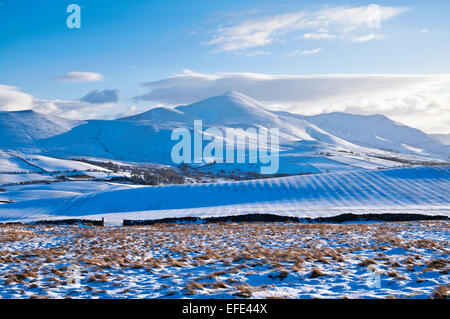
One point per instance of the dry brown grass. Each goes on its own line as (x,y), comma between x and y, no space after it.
(219,285)
(192,286)
(279,274)
(244,291)
(98,278)
(222,250)
(392,274)
(367,262)
(438,263)
(316,272)
(441,292)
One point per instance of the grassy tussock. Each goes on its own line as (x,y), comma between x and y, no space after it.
(210,256)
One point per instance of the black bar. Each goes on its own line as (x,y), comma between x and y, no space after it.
(229,308)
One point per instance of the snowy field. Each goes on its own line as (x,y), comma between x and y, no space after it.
(245,260)
(417,190)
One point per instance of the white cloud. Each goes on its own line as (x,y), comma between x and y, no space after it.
(318,36)
(13,99)
(257,53)
(405,98)
(424,31)
(73,109)
(189,86)
(78,76)
(368,37)
(305,52)
(347,23)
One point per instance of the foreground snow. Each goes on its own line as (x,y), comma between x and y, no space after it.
(248,260)
(419,190)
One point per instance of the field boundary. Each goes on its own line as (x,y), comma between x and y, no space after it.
(277,218)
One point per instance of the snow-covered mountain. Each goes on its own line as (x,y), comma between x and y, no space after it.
(326,142)
(236,109)
(24,128)
(124,140)
(378,131)
(230,109)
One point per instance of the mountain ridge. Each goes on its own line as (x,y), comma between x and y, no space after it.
(26,127)
(147,136)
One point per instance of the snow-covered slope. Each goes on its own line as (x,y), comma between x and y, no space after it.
(378,131)
(410,190)
(49,164)
(8,179)
(25,127)
(20,193)
(17,169)
(13,164)
(161,115)
(121,140)
(443,138)
(23,163)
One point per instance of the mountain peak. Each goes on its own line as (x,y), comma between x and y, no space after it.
(239,97)
(217,109)
(234,93)
(230,108)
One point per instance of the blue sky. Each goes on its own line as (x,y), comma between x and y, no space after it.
(127,43)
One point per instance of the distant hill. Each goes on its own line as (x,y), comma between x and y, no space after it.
(326,142)
(26,127)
